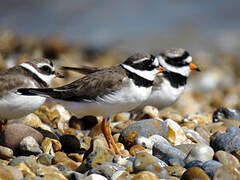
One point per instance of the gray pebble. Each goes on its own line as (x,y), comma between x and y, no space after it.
(210,167)
(30,144)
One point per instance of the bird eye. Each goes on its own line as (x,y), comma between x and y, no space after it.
(46,69)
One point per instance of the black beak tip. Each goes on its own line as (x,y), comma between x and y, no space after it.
(198,69)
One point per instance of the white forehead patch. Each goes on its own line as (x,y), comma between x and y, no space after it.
(188,60)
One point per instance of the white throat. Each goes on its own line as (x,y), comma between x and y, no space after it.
(185,70)
(46,78)
(149,75)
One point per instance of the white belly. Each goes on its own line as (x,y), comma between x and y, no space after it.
(163,96)
(15,106)
(125,99)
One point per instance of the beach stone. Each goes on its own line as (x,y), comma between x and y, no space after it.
(227,172)
(32,120)
(85,142)
(194,136)
(47,132)
(29,144)
(84,123)
(98,156)
(106,169)
(170,113)
(199,119)
(29,161)
(76,157)
(203,132)
(227,159)
(51,173)
(121,175)
(194,163)
(146,162)
(26,170)
(226,113)
(94,177)
(145,128)
(10,173)
(121,117)
(149,112)
(75,176)
(14,133)
(145,175)
(175,133)
(201,152)
(45,159)
(166,152)
(5,153)
(175,170)
(210,167)
(194,173)
(135,149)
(228,141)
(70,143)
(50,146)
(144,142)
(61,158)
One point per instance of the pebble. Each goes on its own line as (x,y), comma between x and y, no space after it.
(51,173)
(175,170)
(121,117)
(227,172)
(121,175)
(210,167)
(70,143)
(194,136)
(84,123)
(95,177)
(5,153)
(30,145)
(135,149)
(14,133)
(227,159)
(166,152)
(203,132)
(194,163)
(199,119)
(106,169)
(145,128)
(50,146)
(149,112)
(45,159)
(146,162)
(228,141)
(175,133)
(226,113)
(194,173)
(10,173)
(32,120)
(29,161)
(201,152)
(145,175)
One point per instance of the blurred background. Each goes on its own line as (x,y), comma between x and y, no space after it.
(105,32)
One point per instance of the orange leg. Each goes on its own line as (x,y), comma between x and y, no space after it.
(105,127)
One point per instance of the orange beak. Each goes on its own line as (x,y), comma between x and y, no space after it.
(194,67)
(160,69)
(59,75)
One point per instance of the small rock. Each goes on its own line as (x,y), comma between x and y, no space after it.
(227,159)
(70,143)
(29,161)
(26,170)
(50,146)
(76,157)
(200,119)
(201,152)
(75,176)
(121,117)
(14,133)
(106,169)
(166,152)
(145,175)
(29,144)
(121,175)
(5,153)
(204,133)
(98,156)
(135,149)
(45,159)
(226,113)
(149,112)
(62,159)
(94,177)
(194,163)
(148,142)
(194,173)
(146,162)
(84,123)
(228,141)
(51,173)
(175,170)
(32,120)
(10,173)
(210,167)
(226,172)
(194,136)
(175,133)
(145,128)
